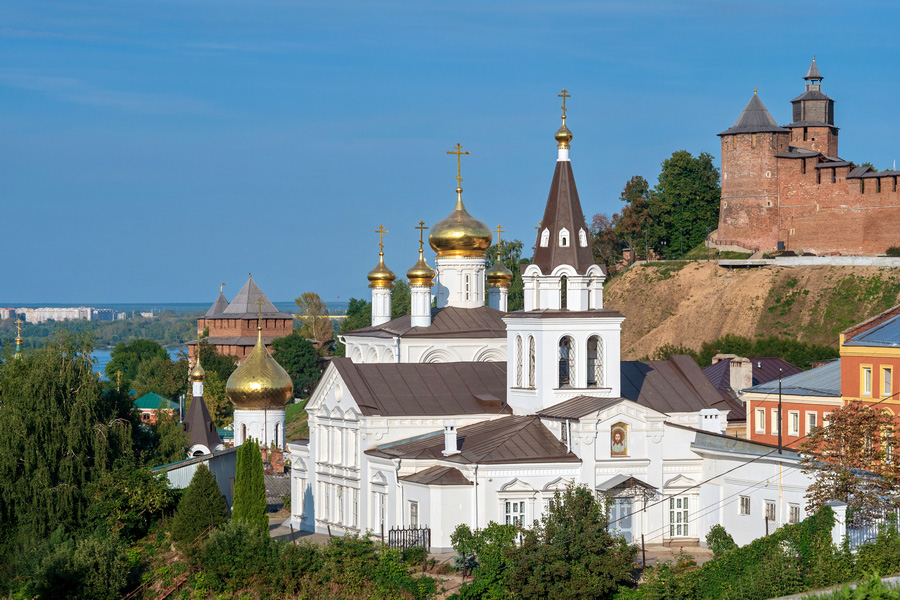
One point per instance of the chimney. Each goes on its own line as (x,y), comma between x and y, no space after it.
(710,419)
(721,357)
(741,375)
(450,445)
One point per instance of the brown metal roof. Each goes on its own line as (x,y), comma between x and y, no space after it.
(447,322)
(420,389)
(667,386)
(577,407)
(199,426)
(438,475)
(563,210)
(512,439)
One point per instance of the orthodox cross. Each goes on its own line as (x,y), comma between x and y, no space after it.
(221,287)
(458,151)
(259,305)
(381,231)
(755,90)
(564,95)
(498,231)
(421,227)
(18,327)
(539,225)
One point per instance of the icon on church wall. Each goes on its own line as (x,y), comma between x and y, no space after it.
(618,440)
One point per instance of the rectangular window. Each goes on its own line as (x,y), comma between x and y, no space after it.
(889,447)
(776,427)
(355,515)
(770,510)
(515,512)
(793,513)
(886,381)
(745,505)
(793,422)
(811,421)
(678,516)
(340,503)
(760,420)
(866,382)
(414,515)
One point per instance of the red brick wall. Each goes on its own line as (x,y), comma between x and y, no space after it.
(771,435)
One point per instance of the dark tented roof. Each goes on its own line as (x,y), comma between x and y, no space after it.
(244,305)
(512,439)
(438,475)
(199,426)
(813,72)
(884,334)
(563,210)
(763,369)
(448,322)
(824,381)
(812,95)
(577,407)
(755,118)
(667,386)
(419,389)
(218,306)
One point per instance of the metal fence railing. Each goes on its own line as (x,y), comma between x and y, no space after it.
(408,538)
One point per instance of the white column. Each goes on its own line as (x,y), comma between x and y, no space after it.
(460,281)
(420,314)
(498,297)
(381,305)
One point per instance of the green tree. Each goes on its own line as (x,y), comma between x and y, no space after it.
(316,323)
(570,553)
(510,253)
(201,507)
(162,376)
(793,351)
(849,461)
(59,433)
(220,407)
(171,441)
(249,505)
(635,218)
(298,357)
(605,243)
(493,546)
(222,364)
(128,357)
(684,203)
(359,315)
(401,299)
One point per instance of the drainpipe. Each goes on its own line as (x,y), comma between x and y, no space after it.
(475,492)
(400,493)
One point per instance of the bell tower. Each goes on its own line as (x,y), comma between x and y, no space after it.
(564,343)
(813,113)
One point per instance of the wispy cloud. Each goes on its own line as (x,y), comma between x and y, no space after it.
(74,90)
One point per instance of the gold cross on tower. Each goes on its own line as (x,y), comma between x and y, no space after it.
(421,227)
(18,327)
(457,150)
(381,231)
(539,225)
(564,95)
(221,287)
(498,231)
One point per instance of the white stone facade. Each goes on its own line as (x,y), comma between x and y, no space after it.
(264,426)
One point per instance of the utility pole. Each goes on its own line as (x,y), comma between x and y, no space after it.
(779,410)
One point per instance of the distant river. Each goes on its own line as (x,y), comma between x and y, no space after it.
(102,357)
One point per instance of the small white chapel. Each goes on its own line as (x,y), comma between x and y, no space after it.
(464,412)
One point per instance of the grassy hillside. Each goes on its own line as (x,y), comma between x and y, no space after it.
(689,303)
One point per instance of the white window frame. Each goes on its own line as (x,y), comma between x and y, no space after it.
(770,512)
(679,516)
(564,238)
(355,511)
(793,513)
(887,381)
(414,514)
(760,413)
(794,422)
(514,511)
(775,424)
(866,381)
(744,506)
(812,421)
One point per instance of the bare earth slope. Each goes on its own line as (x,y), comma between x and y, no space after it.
(688,303)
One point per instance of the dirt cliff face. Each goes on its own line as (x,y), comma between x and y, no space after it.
(688,303)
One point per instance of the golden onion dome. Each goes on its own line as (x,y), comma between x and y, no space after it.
(421,274)
(381,276)
(498,275)
(563,136)
(460,234)
(260,382)
(197,373)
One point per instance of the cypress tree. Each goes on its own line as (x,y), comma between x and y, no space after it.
(201,506)
(249,487)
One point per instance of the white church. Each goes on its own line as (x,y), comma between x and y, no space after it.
(467,413)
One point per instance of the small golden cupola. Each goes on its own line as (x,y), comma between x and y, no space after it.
(381,276)
(260,382)
(198,373)
(421,274)
(459,234)
(498,275)
(563,135)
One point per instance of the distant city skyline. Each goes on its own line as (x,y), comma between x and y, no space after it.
(151,151)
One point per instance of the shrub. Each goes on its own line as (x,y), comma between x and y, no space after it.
(893,251)
(719,541)
(414,555)
(236,555)
(201,507)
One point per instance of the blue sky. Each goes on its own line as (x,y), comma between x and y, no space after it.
(151,150)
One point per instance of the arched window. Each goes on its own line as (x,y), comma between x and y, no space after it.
(531,361)
(566,362)
(564,237)
(518,361)
(545,238)
(582,238)
(243,432)
(595,361)
(277,427)
(563,292)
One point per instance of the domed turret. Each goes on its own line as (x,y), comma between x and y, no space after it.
(381,276)
(421,274)
(260,382)
(460,234)
(197,373)
(499,275)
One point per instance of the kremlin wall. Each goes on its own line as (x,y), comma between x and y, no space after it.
(786,187)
